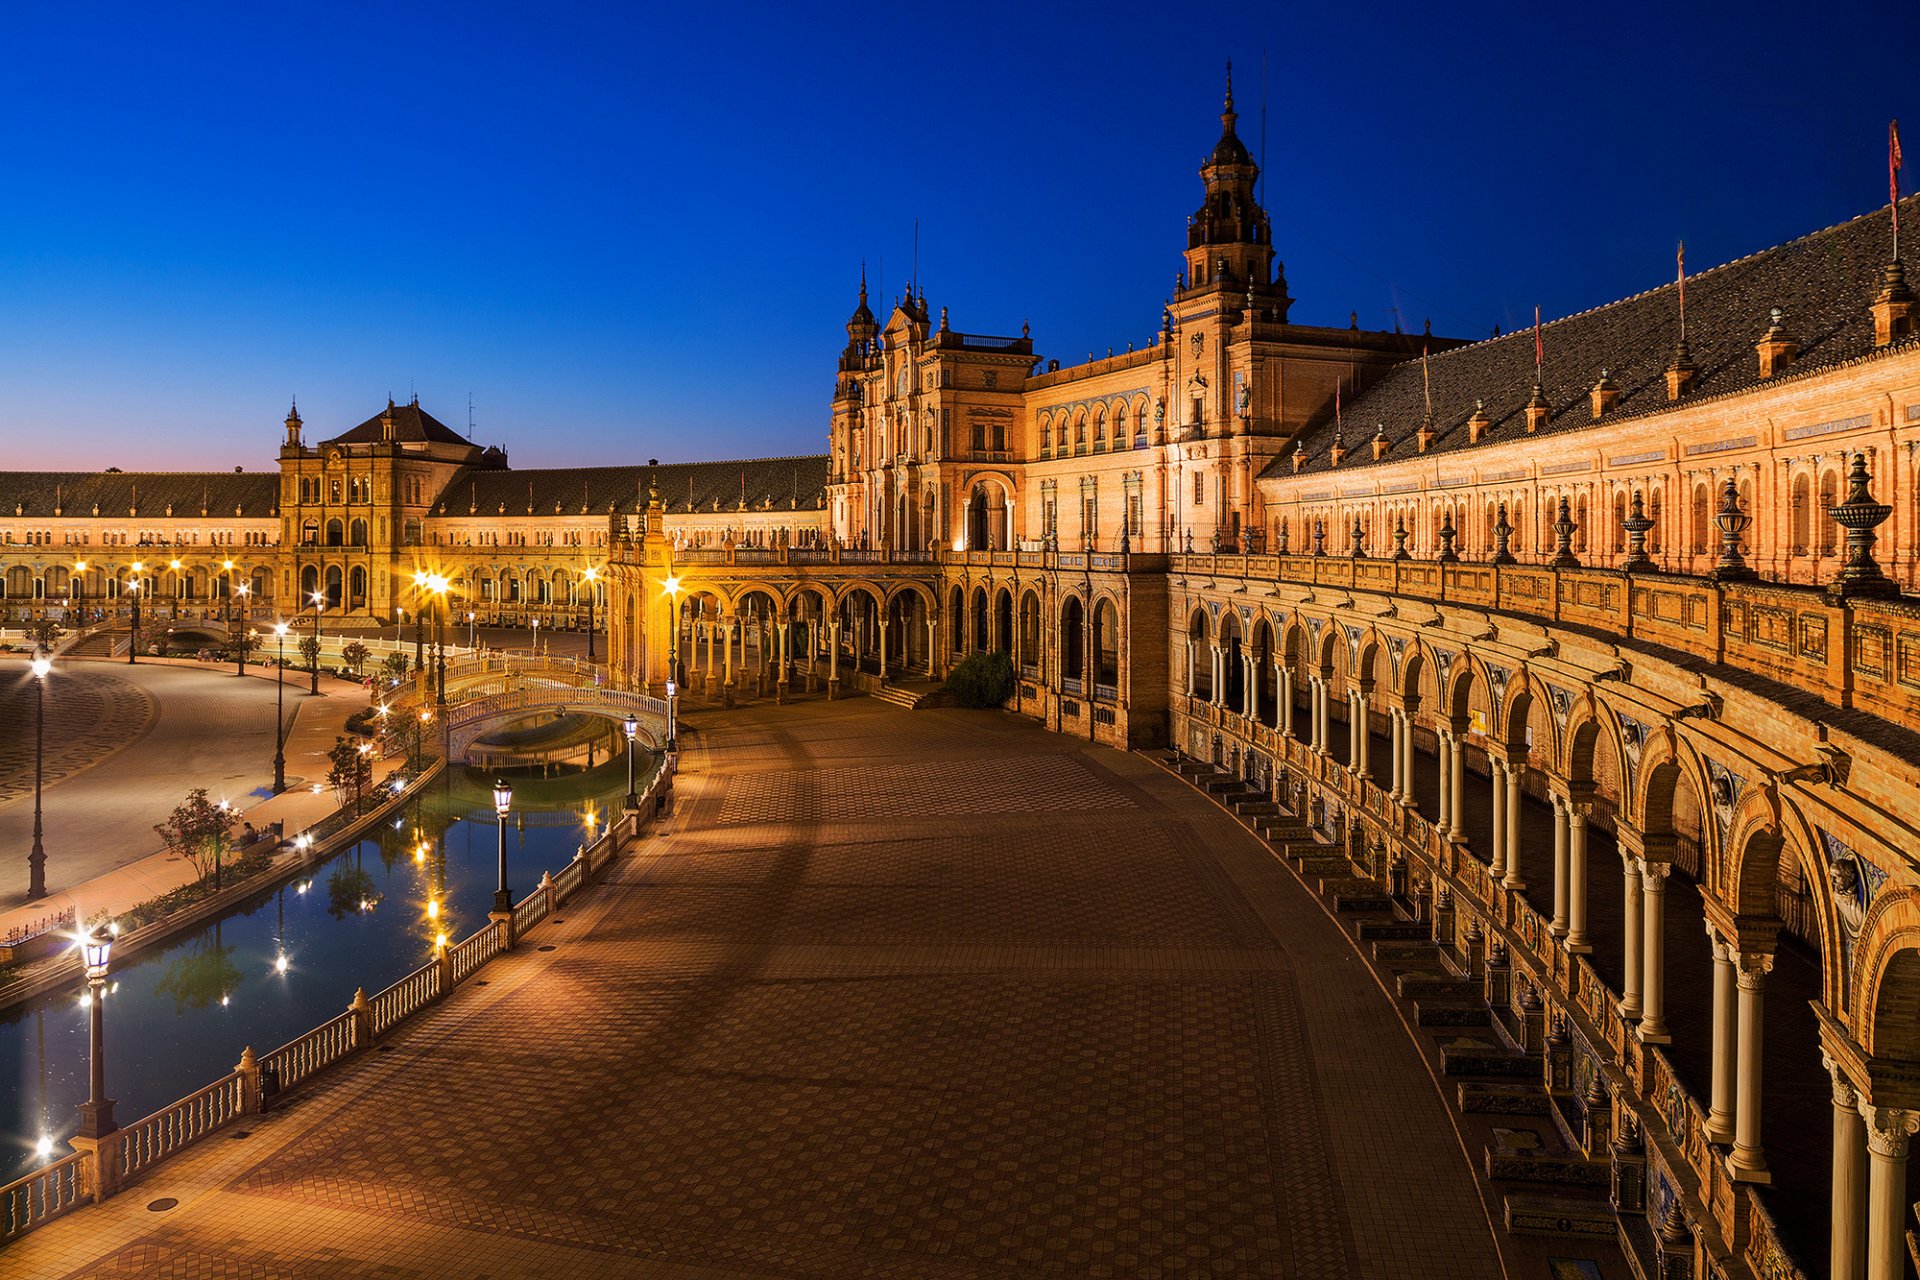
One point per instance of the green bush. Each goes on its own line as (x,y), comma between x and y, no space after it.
(981,680)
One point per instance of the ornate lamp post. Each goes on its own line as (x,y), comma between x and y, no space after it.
(590,575)
(77,590)
(502,802)
(438,584)
(174,566)
(96,1113)
(226,603)
(471,643)
(37,859)
(280,713)
(133,634)
(632,727)
(240,642)
(319,599)
(673,654)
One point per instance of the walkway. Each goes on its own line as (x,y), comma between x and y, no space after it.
(933,995)
(130,742)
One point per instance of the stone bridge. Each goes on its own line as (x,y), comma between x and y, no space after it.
(469,718)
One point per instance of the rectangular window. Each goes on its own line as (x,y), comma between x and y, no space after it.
(1199,489)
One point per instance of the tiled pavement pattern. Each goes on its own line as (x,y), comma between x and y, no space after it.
(925,1039)
(89,713)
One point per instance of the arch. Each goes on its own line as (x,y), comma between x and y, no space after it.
(357,587)
(1072,639)
(336,533)
(309,582)
(1886,977)
(357,532)
(1106,643)
(1200,655)
(1673,799)
(336,587)
(957,618)
(982,628)
(1032,645)
(1003,621)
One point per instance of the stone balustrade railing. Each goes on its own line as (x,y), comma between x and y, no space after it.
(92,1175)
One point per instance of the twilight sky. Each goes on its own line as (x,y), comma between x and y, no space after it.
(635,230)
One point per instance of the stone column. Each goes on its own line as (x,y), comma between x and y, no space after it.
(1363,740)
(1190,684)
(1632,914)
(1720,1110)
(933,630)
(1326,716)
(1249,674)
(1457,778)
(1749,1162)
(833,655)
(1393,751)
(1406,759)
(883,648)
(1313,713)
(1497,855)
(1558,928)
(1213,676)
(781,641)
(1653,976)
(1442,757)
(1286,697)
(1847,1255)
(1577,941)
(1888,1129)
(1512,828)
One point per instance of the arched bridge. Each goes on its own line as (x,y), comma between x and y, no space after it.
(471,718)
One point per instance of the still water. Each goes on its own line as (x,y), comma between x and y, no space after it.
(178,1016)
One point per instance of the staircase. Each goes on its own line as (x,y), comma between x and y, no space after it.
(912,697)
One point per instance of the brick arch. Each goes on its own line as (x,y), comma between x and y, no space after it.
(1591,730)
(1670,770)
(1886,977)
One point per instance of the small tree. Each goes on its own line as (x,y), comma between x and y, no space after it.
(197,831)
(350,770)
(242,644)
(309,651)
(396,664)
(44,632)
(355,655)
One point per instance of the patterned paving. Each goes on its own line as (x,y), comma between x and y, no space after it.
(86,718)
(808,1033)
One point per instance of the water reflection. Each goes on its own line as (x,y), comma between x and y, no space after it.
(179,1016)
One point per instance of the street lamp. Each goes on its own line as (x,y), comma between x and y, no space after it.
(470,636)
(175,566)
(632,726)
(437,583)
(502,802)
(133,635)
(673,653)
(240,642)
(226,603)
(96,1113)
(319,598)
(591,575)
(280,713)
(77,589)
(37,860)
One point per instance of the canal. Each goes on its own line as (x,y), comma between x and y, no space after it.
(179,1015)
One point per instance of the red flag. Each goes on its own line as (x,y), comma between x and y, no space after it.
(1336,406)
(1539,348)
(1680,264)
(1893,174)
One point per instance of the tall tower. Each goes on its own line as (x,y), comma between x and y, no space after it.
(1229,240)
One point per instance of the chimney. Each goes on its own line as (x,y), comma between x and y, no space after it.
(1423,438)
(1479,424)
(1537,410)
(1338,451)
(1380,442)
(1682,373)
(1775,347)
(1605,395)
(1894,311)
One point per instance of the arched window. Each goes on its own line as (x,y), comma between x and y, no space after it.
(1073,628)
(310,533)
(957,620)
(357,533)
(357,586)
(1200,658)
(336,534)
(309,582)
(1829,495)
(1700,510)
(335,593)
(1106,644)
(982,639)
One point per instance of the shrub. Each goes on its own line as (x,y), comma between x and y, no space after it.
(981,680)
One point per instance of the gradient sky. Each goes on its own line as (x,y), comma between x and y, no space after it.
(636,230)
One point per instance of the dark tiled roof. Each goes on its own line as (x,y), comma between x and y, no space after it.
(410,422)
(781,481)
(37,493)
(1824,283)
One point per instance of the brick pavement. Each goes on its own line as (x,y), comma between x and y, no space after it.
(926,994)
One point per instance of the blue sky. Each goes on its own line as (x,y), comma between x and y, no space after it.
(631,231)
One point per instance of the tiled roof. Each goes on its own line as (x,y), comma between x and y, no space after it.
(783,482)
(1824,283)
(35,494)
(410,422)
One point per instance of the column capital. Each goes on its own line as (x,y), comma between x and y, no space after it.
(1888,1129)
(1753,969)
(1722,952)
(1845,1096)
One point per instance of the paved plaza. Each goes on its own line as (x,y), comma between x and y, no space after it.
(124,745)
(931,994)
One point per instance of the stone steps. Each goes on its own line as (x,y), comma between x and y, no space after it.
(1394,931)
(1479,1056)
(1433,985)
(1492,1099)
(1541,1215)
(1451,1013)
(1554,1168)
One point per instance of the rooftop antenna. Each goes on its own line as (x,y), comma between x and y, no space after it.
(916,255)
(469,415)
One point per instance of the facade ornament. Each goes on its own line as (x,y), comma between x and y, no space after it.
(1732,566)
(1400,551)
(1284,550)
(1636,524)
(1359,539)
(1502,534)
(1563,557)
(1860,575)
(1319,538)
(1447,554)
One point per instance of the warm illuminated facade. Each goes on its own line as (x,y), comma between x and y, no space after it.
(1626,597)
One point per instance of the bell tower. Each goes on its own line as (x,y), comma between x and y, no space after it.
(1230,240)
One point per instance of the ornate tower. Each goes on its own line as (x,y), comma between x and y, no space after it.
(1229,240)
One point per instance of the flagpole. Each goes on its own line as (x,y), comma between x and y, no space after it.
(1893,181)
(1680,264)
